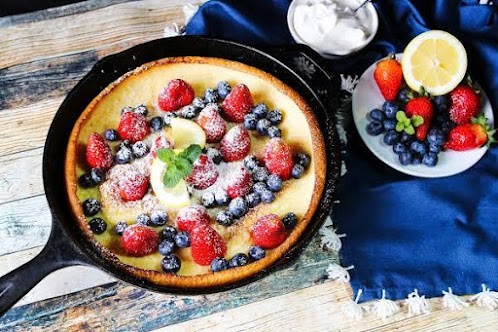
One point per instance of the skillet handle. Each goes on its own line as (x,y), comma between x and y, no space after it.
(59,252)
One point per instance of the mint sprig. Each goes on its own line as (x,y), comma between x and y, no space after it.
(406,124)
(179,165)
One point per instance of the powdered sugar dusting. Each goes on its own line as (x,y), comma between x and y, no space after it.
(236,143)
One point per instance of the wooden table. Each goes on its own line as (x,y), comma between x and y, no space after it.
(42,56)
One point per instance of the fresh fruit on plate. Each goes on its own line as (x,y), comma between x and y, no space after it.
(465,104)
(421,106)
(470,135)
(389,77)
(435,60)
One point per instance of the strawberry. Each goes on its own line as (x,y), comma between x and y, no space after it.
(278,157)
(238,103)
(176,94)
(213,124)
(204,173)
(236,144)
(139,240)
(423,107)
(191,216)
(98,153)
(268,232)
(239,183)
(470,135)
(133,127)
(206,244)
(464,105)
(160,142)
(389,77)
(134,187)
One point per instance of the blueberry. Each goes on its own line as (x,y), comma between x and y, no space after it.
(251,162)
(224,218)
(171,263)
(211,95)
(430,159)
(224,89)
(417,160)
(158,218)
(86,181)
(156,123)
(124,144)
(389,124)
(120,227)
(215,155)
(297,171)
(273,131)
(140,149)
(260,110)
(91,207)
(258,187)
(262,127)
(267,196)
(143,219)
(199,103)
(399,148)
(167,118)
(389,108)
(256,253)
(260,173)
(447,126)
(188,112)
(289,220)
(406,138)
(141,109)
(436,137)
(169,233)
(253,199)
(250,121)
(208,200)
(238,207)
(434,148)
(111,135)
(418,147)
(404,95)
(274,182)
(123,156)
(126,109)
(166,247)
(406,158)
(275,117)
(221,197)
(239,259)
(391,137)
(182,240)
(441,102)
(375,128)
(219,264)
(98,175)
(98,225)
(302,159)
(377,115)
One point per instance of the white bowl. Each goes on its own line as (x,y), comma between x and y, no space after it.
(367,96)
(374,26)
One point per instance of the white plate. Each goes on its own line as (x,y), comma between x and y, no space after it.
(367,96)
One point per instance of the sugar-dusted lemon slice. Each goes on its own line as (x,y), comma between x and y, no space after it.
(435,60)
(184,133)
(171,198)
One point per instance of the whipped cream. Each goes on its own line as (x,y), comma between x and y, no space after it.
(331,26)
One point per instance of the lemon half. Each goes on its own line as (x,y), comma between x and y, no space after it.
(171,198)
(435,60)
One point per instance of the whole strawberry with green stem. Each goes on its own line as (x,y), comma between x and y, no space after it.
(389,76)
(469,136)
(421,106)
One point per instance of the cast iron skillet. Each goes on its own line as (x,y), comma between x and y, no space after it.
(66,246)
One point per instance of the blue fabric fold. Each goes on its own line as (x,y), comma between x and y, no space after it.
(402,232)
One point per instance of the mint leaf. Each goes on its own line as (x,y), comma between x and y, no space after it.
(399,127)
(184,166)
(410,130)
(417,120)
(400,116)
(191,153)
(172,176)
(166,155)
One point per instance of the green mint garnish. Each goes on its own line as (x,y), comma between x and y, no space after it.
(406,124)
(179,165)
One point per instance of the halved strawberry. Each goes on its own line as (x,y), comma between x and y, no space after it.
(206,245)
(236,144)
(191,216)
(98,153)
(176,94)
(134,187)
(238,103)
(204,173)
(133,127)
(213,124)
(239,183)
(268,232)
(139,240)
(278,157)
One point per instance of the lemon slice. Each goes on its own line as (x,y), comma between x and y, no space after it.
(184,133)
(435,60)
(171,198)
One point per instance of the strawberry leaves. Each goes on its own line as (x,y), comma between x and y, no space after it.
(406,124)
(179,165)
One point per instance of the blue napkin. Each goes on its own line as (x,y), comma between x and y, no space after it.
(402,232)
